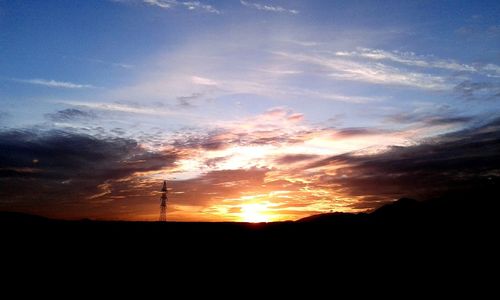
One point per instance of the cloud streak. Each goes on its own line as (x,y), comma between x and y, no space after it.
(431,116)
(55,84)
(270,8)
(376,73)
(70,114)
(478,90)
(413,60)
(190,5)
(407,58)
(127,108)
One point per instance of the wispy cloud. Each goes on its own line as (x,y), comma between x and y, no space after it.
(55,84)
(272,8)
(407,58)
(494,70)
(160,3)
(113,64)
(203,81)
(302,43)
(187,101)
(190,5)
(99,62)
(126,108)
(378,73)
(423,61)
(481,90)
(70,114)
(431,116)
(262,84)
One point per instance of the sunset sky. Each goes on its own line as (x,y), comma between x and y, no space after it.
(252,110)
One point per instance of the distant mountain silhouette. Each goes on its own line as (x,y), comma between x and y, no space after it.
(397,210)
(334,217)
(456,210)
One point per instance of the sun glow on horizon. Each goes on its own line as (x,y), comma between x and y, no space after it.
(255,213)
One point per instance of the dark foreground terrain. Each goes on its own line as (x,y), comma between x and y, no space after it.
(454,219)
(431,239)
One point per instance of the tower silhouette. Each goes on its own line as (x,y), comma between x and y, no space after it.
(163,203)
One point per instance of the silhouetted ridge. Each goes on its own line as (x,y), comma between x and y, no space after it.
(397,209)
(334,217)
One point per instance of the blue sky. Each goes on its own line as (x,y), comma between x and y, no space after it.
(172,74)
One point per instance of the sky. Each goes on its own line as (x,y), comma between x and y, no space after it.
(251,110)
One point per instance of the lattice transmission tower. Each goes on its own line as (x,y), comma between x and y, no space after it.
(163,203)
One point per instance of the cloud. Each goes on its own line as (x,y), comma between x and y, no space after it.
(411,59)
(127,108)
(471,90)
(63,155)
(215,186)
(296,117)
(187,101)
(55,84)
(376,73)
(408,58)
(190,5)
(70,114)
(211,141)
(270,8)
(213,162)
(259,160)
(449,120)
(295,158)
(495,69)
(383,67)
(221,139)
(220,72)
(193,5)
(180,86)
(303,43)
(113,64)
(225,194)
(433,116)
(357,132)
(57,167)
(203,81)
(260,138)
(160,3)
(100,61)
(465,160)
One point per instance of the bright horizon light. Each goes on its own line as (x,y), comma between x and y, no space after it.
(255,213)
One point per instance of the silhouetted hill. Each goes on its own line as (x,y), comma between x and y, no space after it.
(334,217)
(399,208)
(457,210)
